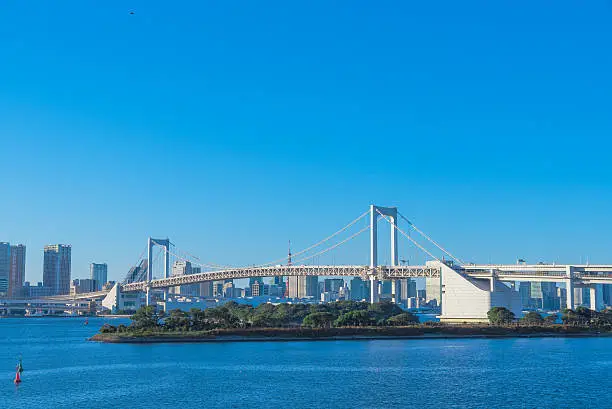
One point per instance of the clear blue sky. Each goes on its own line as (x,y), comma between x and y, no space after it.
(233,126)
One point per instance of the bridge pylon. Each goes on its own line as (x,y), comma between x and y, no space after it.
(165,243)
(390,212)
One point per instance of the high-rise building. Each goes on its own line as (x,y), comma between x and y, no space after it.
(206,289)
(99,273)
(385,290)
(562,296)
(359,289)
(407,289)
(607,294)
(525,293)
(218,288)
(278,287)
(82,285)
(180,268)
(304,287)
(544,294)
(332,285)
(56,268)
(433,290)
(252,281)
(257,289)
(5,268)
(17,271)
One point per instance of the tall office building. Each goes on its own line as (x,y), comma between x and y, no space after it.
(257,289)
(82,285)
(332,285)
(206,289)
(359,289)
(17,271)
(180,268)
(433,290)
(5,268)
(253,280)
(99,273)
(56,268)
(544,294)
(218,288)
(607,294)
(304,287)
(525,293)
(407,288)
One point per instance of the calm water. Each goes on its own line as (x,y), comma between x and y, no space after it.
(63,370)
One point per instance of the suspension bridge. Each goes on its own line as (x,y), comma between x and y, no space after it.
(468,290)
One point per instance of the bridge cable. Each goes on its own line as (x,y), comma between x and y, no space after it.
(407,236)
(140,258)
(318,243)
(430,239)
(335,245)
(214,265)
(192,262)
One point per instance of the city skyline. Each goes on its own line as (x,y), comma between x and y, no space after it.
(493,140)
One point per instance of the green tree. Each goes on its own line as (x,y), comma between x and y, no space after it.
(500,316)
(359,318)
(146,318)
(177,320)
(532,318)
(383,310)
(402,319)
(318,320)
(198,320)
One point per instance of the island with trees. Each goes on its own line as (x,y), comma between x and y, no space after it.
(338,320)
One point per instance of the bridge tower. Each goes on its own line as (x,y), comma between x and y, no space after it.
(165,243)
(391,213)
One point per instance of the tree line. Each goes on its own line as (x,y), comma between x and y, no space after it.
(234,315)
(581,316)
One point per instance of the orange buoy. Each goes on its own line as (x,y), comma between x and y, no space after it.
(17,378)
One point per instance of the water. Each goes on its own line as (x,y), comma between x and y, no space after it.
(63,370)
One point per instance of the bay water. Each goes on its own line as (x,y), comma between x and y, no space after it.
(64,370)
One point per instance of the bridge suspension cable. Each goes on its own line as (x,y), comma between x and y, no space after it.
(190,257)
(318,243)
(127,276)
(430,239)
(209,266)
(334,246)
(406,235)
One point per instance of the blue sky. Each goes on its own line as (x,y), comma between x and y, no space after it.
(232,127)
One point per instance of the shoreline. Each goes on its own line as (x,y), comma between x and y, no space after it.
(352,334)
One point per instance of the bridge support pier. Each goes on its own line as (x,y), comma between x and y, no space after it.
(569,285)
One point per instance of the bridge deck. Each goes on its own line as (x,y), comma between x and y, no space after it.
(288,271)
(584,274)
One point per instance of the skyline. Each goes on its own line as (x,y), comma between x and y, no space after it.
(247,126)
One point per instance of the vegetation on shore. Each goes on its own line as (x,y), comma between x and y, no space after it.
(338,319)
(580,317)
(233,316)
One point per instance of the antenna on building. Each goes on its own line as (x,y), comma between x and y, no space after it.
(289,254)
